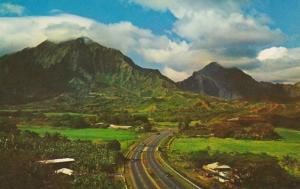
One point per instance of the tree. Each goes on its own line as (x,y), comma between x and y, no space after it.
(114,145)
(8,126)
(71,121)
(147,127)
(182,126)
(289,161)
(79,122)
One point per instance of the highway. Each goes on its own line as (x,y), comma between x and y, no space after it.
(147,172)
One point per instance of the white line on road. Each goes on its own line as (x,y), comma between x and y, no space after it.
(180,175)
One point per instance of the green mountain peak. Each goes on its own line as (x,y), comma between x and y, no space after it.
(79,65)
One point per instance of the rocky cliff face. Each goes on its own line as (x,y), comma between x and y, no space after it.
(232,83)
(73,66)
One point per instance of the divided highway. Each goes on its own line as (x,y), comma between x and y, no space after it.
(146,171)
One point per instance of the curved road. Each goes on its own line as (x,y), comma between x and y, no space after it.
(147,172)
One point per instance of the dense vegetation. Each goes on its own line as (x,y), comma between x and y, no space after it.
(99,135)
(258,131)
(77,86)
(20,151)
(277,158)
(255,171)
(288,121)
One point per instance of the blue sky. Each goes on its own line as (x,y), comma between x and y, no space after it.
(285,16)
(175,36)
(106,11)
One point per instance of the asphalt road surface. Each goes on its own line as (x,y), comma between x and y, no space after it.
(147,172)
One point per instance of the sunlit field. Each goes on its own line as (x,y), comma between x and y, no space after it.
(288,145)
(125,137)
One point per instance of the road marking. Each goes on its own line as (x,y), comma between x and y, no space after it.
(133,154)
(155,165)
(138,172)
(180,175)
(147,173)
(163,162)
(145,149)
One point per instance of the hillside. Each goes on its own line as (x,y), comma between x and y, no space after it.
(233,83)
(77,66)
(295,90)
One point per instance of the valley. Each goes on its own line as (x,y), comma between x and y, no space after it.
(128,126)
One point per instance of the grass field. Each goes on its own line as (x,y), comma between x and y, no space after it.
(56,114)
(124,136)
(288,145)
(166,124)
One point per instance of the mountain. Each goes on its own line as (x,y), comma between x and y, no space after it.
(232,83)
(75,66)
(295,90)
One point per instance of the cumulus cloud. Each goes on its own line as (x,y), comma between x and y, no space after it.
(207,31)
(123,36)
(12,9)
(212,31)
(221,25)
(272,53)
(20,32)
(174,75)
(222,31)
(63,27)
(277,64)
(288,75)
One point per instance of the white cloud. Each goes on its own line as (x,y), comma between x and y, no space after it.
(175,75)
(288,75)
(279,58)
(272,53)
(217,24)
(222,31)
(209,31)
(9,8)
(18,32)
(278,64)
(212,29)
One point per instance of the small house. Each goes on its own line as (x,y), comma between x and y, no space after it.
(60,166)
(222,173)
(119,126)
(65,171)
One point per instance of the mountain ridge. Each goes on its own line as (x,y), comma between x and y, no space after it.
(50,69)
(82,65)
(233,83)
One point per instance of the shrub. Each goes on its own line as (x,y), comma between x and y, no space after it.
(258,131)
(256,171)
(19,153)
(114,145)
(147,127)
(71,121)
(7,125)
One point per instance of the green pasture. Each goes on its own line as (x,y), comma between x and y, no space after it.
(60,114)
(288,145)
(94,134)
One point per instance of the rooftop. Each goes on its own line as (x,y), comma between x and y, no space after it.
(119,126)
(54,161)
(216,166)
(65,171)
